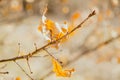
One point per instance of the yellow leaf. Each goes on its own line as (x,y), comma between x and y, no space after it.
(40,27)
(57,68)
(53,31)
(71,27)
(18,78)
(61,35)
(75,16)
(64,30)
(50,25)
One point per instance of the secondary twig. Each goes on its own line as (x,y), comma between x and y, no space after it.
(50,43)
(24,70)
(29,65)
(52,56)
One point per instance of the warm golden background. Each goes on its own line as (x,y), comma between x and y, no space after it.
(19,20)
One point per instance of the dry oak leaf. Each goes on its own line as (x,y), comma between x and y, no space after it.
(58,69)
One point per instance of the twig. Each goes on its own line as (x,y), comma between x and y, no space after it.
(50,43)
(29,65)
(52,56)
(24,71)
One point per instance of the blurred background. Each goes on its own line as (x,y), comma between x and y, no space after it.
(19,20)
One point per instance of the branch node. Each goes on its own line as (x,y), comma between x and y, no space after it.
(93,13)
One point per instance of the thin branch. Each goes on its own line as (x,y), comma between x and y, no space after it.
(23,70)
(52,56)
(29,65)
(50,43)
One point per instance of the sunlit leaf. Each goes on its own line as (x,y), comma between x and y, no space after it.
(53,31)
(58,69)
